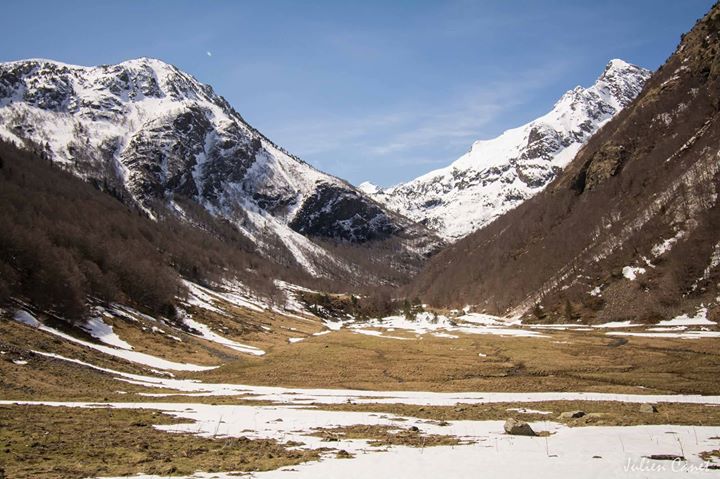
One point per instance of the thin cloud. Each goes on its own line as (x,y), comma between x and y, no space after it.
(397,137)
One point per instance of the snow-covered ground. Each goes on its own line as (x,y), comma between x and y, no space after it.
(23,316)
(600,452)
(675,328)
(669,335)
(632,272)
(102,331)
(210,335)
(498,174)
(442,326)
(205,298)
(699,319)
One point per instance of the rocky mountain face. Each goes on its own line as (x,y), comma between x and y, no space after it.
(497,175)
(151,134)
(629,230)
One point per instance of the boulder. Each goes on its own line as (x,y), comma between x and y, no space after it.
(518,428)
(343,454)
(571,414)
(648,408)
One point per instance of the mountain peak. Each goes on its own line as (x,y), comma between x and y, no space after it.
(620,70)
(618,64)
(147,62)
(368,187)
(498,174)
(151,133)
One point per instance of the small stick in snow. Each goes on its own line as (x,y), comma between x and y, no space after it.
(682,451)
(217,427)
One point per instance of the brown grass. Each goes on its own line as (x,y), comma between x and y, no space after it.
(564,361)
(386,436)
(598,413)
(52,442)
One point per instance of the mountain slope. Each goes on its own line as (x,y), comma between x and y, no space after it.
(496,175)
(629,229)
(150,133)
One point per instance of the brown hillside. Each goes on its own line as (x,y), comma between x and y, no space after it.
(650,175)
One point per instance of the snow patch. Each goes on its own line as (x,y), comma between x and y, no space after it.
(206,333)
(132,356)
(102,331)
(700,319)
(632,272)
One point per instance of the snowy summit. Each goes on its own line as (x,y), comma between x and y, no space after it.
(497,175)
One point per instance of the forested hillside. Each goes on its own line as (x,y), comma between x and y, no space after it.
(64,241)
(629,229)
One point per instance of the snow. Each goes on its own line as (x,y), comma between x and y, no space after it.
(24,317)
(632,272)
(239,296)
(589,452)
(593,451)
(666,245)
(700,319)
(368,188)
(132,356)
(304,397)
(378,334)
(210,335)
(713,263)
(201,298)
(524,410)
(445,335)
(558,326)
(333,325)
(617,324)
(98,329)
(442,326)
(118,107)
(295,340)
(496,175)
(678,335)
(300,396)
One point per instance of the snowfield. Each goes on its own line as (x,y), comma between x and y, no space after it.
(295,414)
(442,326)
(595,452)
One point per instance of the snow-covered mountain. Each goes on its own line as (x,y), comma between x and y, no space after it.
(498,174)
(148,132)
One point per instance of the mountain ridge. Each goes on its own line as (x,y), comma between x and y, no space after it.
(496,175)
(628,230)
(147,131)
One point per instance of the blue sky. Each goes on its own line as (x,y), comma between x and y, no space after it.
(366,90)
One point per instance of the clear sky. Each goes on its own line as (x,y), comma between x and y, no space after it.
(366,90)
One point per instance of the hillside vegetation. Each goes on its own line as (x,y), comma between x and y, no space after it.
(628,230)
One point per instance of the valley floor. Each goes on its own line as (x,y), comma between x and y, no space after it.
(242,388)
